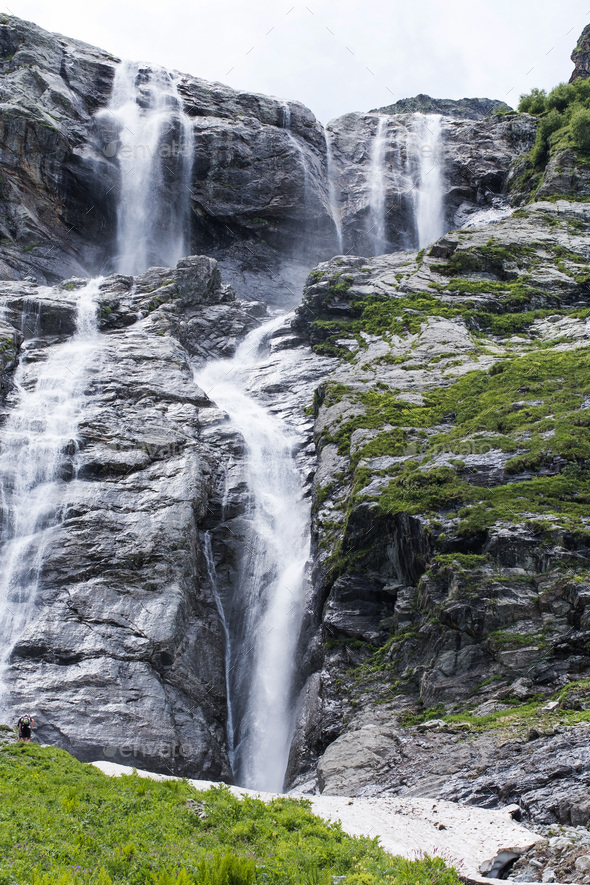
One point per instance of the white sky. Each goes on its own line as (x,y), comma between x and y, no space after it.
(321,53)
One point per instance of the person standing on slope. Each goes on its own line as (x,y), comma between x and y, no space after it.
(26,725)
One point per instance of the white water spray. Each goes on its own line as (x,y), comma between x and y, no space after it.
(286,112)
(155,155)
(377,189)
(41,428)
(429,206)
(272,574)
(333,192)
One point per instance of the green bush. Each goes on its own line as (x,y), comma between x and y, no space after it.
(564,119)
(533,103)
(552,122)
(580,123)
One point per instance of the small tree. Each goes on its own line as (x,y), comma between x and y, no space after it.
(534,102)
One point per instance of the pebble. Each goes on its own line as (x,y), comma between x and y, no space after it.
(583,863)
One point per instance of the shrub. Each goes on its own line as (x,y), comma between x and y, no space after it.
(580,125)
(533,103)
(564,119)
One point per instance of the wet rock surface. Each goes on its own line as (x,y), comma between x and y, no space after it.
(258,165)
(444,653)
(54,208)
(267,199)
(123,655)
(478,159)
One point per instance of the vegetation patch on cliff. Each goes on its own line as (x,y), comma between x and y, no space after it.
(562,140)
(564,119)
(492,287)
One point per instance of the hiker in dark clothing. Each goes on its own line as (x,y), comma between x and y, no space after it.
(26,725)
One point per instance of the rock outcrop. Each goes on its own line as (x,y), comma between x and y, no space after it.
(477,158)
(267,199)
(439,401)
(581,57)
(461,109)
(258,167)
(54,207)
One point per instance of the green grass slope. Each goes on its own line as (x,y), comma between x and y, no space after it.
(62,822)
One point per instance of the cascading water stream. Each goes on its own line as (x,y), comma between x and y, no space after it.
(286,121)
(265,613)
(212,575)
(154,147)
(38,434)
(428,203)
(333,192)
(377,189)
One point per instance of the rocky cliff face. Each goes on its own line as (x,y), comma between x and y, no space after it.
(54,209)
(439,405)
(267,199)
(477,157)
(463,109)
(452,543)
(581,57)
(123,654)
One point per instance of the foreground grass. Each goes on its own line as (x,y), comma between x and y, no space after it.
(65,823)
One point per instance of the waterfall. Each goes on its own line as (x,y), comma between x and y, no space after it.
(332,193)
(428,202)
(154,148)
(377,189)
(37,438)
(265,613)
(212,575)
(286,125)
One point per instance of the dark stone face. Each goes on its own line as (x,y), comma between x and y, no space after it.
(262,185)
(581,57)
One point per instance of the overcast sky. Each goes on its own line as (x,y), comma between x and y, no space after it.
(336,55)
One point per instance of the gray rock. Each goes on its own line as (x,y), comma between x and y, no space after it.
(261,202)
(478,157)
(123,657)
(462,109)
(456,644)
(581,56)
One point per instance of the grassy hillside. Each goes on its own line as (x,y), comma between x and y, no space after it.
(62,822)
